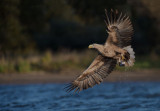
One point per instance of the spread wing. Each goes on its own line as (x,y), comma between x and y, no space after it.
(124,26)
(93,75)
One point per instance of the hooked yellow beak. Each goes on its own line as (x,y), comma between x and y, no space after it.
(90,46)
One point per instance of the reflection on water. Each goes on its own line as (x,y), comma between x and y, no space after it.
(105,97)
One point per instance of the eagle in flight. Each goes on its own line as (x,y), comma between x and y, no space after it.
(116,50)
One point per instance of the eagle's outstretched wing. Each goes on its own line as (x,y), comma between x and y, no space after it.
(93,75)
(124,26)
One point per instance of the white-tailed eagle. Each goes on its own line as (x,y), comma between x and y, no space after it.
(116,50)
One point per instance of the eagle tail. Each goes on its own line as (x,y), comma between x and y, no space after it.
(131,60)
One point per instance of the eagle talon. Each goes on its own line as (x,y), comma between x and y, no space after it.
(123,58)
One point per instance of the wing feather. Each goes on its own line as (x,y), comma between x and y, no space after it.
(95,73)
(123,23)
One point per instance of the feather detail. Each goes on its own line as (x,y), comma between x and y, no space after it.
(131,61)
(123,24)
(95,74)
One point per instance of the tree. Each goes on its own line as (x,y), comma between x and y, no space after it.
(12,38)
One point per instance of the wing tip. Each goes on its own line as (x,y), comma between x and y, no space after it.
(71,87)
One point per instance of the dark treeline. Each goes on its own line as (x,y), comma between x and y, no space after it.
(39,25)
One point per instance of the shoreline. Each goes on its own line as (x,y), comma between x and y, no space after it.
(115,76)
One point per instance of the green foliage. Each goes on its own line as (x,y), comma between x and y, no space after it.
(11,31)
(142,62)
(64,61)
(23,66)
(91,11)
(39,25)
(47,58)
(146,62)
(6,66)
(24,22)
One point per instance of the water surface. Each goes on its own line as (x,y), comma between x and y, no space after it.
(134,96)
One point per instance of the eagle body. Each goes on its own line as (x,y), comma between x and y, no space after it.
(117,49)
(108,50)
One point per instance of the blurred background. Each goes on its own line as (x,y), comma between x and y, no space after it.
(46,41)
(53,35)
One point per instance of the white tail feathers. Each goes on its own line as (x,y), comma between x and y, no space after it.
(131,61)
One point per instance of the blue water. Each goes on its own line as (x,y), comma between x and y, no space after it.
(140,96)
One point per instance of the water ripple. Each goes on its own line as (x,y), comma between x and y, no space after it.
(105,97)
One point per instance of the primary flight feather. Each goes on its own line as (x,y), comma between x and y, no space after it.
(117,49)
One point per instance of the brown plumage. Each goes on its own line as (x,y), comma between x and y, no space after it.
(117,49)
(123,24)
